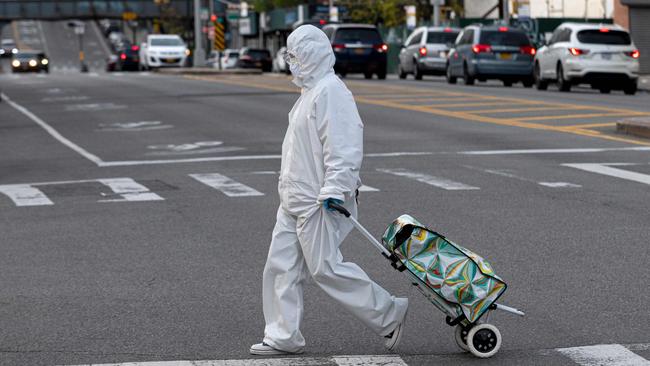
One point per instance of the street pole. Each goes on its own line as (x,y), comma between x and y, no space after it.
(506,11)
(436,13)
(199,52)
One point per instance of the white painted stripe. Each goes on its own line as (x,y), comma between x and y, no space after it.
(559,185)
(439,182)
(389,360)
(612,172)
(228,186)
(551,151)
(25,195)
(369,361)
(507,174)
(54,133)
(130,190)
(365,188)
(393,154)
(604,355)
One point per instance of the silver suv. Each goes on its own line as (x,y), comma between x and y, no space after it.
(425,51)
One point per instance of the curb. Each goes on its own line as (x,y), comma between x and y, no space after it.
(644,83)
(639,126)
(206,71)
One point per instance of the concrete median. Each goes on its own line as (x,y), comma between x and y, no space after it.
(639,126)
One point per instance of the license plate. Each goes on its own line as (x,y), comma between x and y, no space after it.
(606,56)
(505,56)
(170,60)
(359,51)
(258,64)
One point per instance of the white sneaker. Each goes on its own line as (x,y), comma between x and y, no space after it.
(396,336)
(263,349)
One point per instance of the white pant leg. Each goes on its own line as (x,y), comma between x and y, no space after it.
(284,273)
(320,236)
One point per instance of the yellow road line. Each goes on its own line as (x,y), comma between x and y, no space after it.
(530,109)
(440,112)
(576,116)
(432,98)
(478,104)
(590,125)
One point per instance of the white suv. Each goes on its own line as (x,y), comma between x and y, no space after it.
(597,54)
(162,50)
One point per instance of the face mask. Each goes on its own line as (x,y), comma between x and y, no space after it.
(295,71)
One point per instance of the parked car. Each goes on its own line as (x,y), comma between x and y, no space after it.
(279,64)
(30,61)
(229,58)
(255,58)
(484,52)
(8,47)
(603,56)
(358,48)
(111,62)
(163,50)
(128,58)
(425,52)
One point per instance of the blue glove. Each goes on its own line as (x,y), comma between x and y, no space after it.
(328,201)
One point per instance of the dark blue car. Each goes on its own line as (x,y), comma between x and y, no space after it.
(359,48)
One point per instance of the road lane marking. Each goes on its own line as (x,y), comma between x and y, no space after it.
(559,185)
(590,125)
(365,188)
(531,109)
(54,133)
(386,360)
(508,174)
(578,116)
(604,355)
(129,189)
(465,104)
(93,107)
(25,195)
(604,169)
(431,180)
(551,151)
(70,98)
(227,186)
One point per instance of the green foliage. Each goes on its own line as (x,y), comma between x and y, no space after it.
(390,13)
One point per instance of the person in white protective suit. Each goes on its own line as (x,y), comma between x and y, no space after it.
(321,157)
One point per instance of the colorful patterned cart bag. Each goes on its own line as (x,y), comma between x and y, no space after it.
(454,273)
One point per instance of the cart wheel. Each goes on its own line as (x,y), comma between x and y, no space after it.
(484,340)
(460,335)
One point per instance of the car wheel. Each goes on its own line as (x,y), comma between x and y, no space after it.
(381,75)
(400,72)
(604,90)
(630,89)
(507,83)
(450,79)
(417,74)
(540,83)
(562,83)
(528,83)
(469,80)
(367,75)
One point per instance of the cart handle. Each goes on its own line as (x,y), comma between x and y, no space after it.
(342,210)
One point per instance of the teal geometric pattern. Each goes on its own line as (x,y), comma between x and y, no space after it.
(456,274)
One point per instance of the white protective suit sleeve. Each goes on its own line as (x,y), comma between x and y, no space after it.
(340,131)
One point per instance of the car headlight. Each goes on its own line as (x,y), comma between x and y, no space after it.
(33,63)
(15,63)
(14,51)
(45,61)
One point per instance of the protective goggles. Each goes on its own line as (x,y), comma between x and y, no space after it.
(290,58)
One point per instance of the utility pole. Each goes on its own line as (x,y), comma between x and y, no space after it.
(436,12)
(506,11)
(199,53)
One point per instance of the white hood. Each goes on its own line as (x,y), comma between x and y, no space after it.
(314,52)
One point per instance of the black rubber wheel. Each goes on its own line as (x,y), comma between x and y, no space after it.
(630,89)
(381,75)
(367,75)
(605,90)
(450,79)
(484,340)
(562,83)
(507,83)
(400,72)
(540,83)
(417,74)
(467,79)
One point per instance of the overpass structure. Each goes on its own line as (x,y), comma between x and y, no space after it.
(91,9)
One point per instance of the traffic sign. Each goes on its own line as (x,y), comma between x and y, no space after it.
(219,42)
(129,15)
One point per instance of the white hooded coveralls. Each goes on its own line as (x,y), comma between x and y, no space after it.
(321,157)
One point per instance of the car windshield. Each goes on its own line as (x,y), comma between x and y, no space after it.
(259,54)
(233,54)
(166,42)
(441,37)
(357,35)
(500,38)
(598,36)
(27,56)
(8,42)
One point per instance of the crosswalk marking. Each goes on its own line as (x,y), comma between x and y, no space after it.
(129,189)
(389,360)
(505,173)
(25,195)
(559,185)
(612,172)
(227,186)
(365,188)
(439,182)
(604,355)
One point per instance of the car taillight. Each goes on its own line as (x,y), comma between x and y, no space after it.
(503,29)
(633,54)
(604,30)
(123,56)
(382,47)
(528,50)
(245,58)
(338,47)
(423,51)
(447,30)
(577,51)
(481,48)
(135,48)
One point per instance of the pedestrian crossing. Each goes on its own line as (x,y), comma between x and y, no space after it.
(126,189)
(593,355)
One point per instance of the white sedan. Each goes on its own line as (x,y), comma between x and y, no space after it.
(603,56)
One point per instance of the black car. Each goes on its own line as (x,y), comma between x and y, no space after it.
(359,48)
(255,58)
(30,61)
(128,58)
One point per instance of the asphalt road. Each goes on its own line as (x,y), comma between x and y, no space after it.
(114,250)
